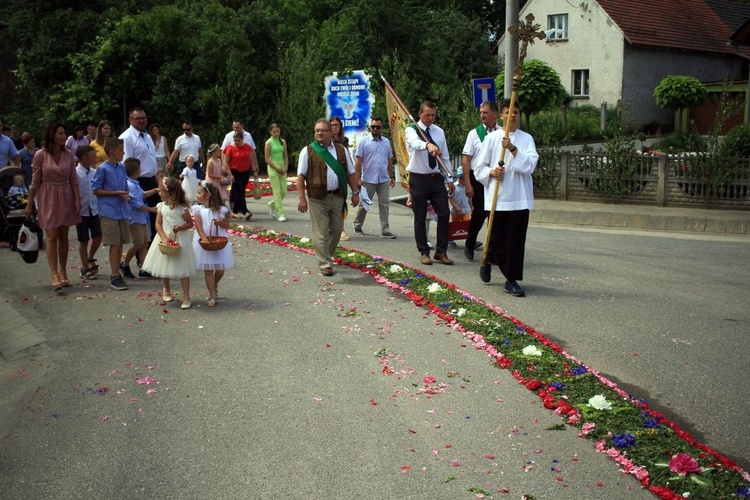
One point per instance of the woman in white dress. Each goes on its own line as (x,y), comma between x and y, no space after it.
(162,149)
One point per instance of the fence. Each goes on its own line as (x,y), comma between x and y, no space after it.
(668,180)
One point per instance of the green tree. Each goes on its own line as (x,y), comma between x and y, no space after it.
(262,60)
(298,104)
(540,88)
(196,61)
(678,93)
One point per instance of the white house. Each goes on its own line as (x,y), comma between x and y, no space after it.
(612,50)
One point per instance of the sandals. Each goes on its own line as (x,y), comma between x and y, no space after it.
(64,280)
(88,273)
(56,283)
(248,215)
(211,302)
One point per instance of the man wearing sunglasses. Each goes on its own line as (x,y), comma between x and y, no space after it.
(374,166)
(188,144)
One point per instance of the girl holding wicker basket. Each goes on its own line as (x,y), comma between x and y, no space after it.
(171,253)
(213,254)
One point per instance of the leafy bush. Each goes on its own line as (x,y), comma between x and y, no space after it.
(582,121)
(678,93)
(737,143)
(540,88)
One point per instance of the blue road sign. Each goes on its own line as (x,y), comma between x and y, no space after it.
(484,90)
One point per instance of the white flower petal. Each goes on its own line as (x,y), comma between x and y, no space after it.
(531,350)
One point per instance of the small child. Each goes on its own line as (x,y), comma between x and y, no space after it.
(219,175)
(139,230)
(459,202)
(173,222)
(89,229)
(19,186)
(111,189)
(189,178)
(210,213)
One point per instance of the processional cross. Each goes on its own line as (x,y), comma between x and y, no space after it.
(526,32)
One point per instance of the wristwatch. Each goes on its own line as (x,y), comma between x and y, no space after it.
(355,192)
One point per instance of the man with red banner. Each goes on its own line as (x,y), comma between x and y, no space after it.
(427,182)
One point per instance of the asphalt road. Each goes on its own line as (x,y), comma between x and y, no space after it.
(277,393)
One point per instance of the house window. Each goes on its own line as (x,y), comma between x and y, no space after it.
(557,27)
(580,83)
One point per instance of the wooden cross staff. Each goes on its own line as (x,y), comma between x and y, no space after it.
(526,33)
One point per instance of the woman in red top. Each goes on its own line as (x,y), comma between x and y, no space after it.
(238,158)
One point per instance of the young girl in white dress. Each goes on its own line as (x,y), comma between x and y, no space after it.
(189,178)
(210,213)
(173,222)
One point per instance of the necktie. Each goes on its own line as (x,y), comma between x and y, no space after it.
(431,160)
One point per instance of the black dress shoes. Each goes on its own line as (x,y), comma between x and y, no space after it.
(485,272)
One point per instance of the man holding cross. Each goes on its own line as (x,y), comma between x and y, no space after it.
(514,199)
(325,170)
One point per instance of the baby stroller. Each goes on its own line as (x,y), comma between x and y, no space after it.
(12,208)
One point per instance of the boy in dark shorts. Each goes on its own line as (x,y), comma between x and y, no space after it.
(89,230)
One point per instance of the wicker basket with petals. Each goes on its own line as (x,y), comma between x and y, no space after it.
(213,243)
(169,249)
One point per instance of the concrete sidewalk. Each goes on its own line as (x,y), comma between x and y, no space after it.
(16,333)
(641,217)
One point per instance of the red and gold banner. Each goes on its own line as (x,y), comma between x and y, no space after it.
(398,120)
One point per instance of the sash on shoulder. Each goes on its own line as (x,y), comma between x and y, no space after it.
(481,132)
(335,166)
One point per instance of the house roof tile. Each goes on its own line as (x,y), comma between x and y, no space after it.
(678,24)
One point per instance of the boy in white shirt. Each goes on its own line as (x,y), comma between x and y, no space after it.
(89,229)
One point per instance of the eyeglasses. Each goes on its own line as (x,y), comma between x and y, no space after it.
(376,127)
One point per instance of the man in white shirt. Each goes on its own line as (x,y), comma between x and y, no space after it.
(514,199)
(427,183)
(374,165)
(474,190)
(238,126)
(188,144)
(139,144)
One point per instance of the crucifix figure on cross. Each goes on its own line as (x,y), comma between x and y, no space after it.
(526,33)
